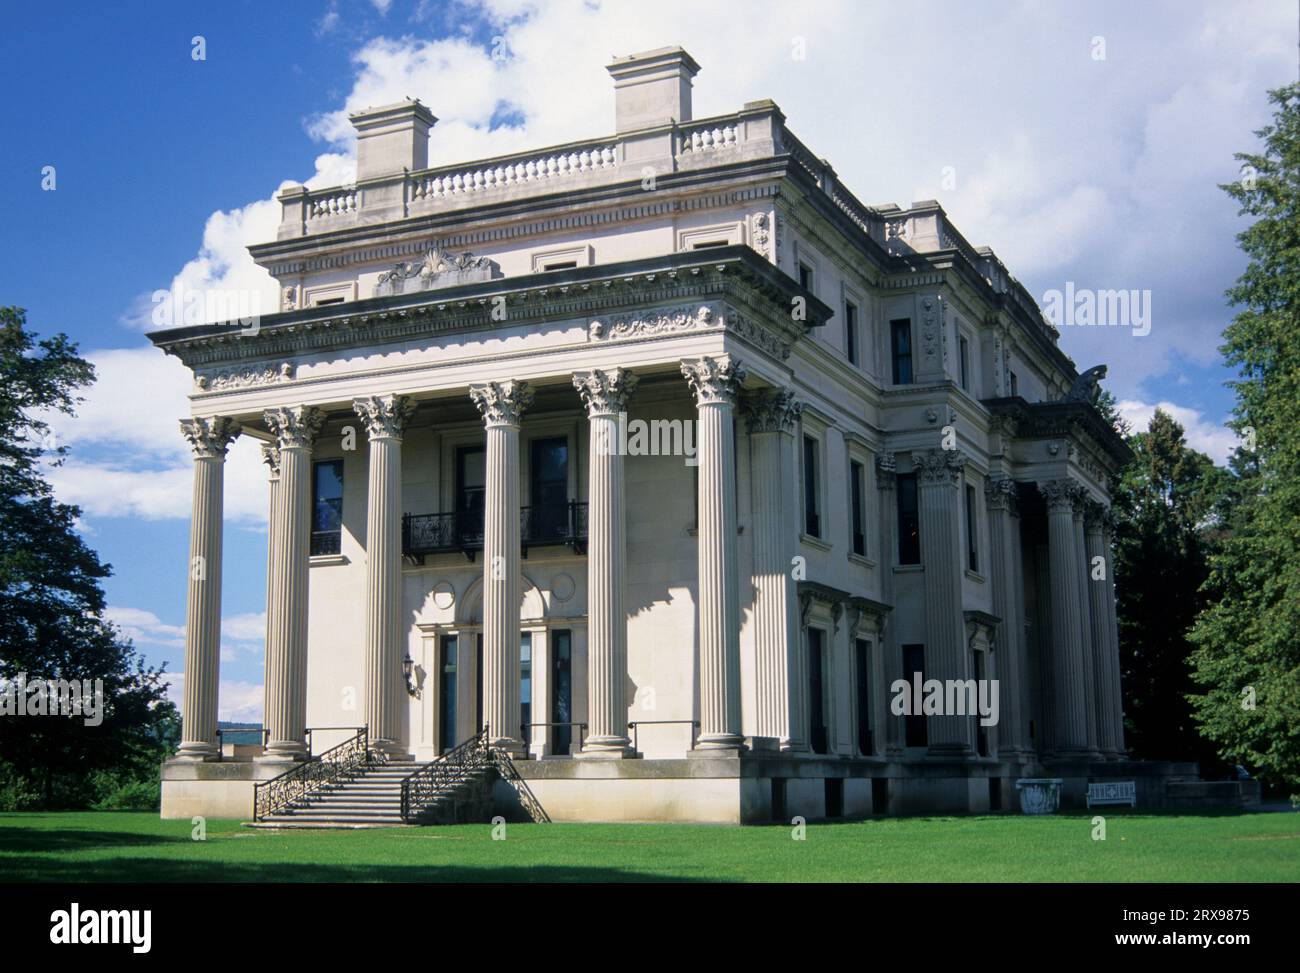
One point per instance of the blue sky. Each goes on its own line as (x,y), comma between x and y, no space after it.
(1096,171)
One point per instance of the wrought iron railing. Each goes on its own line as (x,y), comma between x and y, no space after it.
(325,542)
(462,530)
(300,782)
(439,777)
(510,773)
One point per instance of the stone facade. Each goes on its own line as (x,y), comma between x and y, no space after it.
(669,439)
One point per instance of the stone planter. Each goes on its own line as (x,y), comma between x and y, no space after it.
(1039,795)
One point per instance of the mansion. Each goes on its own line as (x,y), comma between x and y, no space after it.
(650,462)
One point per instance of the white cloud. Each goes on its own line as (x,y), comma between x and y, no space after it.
(145,628)
(237,701)
(1213,439)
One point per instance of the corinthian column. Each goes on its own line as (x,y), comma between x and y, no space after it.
(1069,693)
(295,428)
(384,416)
(209,438)
(502,405)
(946,656)
(1004,530)
(1090,663)
(772,414)
(605,395)
(271,457)
(715,383)
(1114,689)
(1106,664)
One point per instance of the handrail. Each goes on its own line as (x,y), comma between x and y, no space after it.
(265,733)
(420,788)
(296,783)
(633,726)
(507,769)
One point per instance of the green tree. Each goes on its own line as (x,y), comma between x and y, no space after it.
(1169,508)
(1247,658)
(51,594)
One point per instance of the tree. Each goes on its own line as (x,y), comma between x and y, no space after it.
(52,622)
(1169,508)
(1247,658)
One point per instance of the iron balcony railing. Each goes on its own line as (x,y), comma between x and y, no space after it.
(462,530)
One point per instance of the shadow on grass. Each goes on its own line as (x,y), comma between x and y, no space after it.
(48,840)
(40,870)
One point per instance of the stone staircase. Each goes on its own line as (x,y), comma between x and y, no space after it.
(372,798)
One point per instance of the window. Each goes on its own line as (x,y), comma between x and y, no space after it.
(909,520)
(548,513)
(851,331)
(981,731)
(471,484)
(327,509)
(708,244)
(972,553)
(325,302)
(805,276)
(963,347)
(526,686)
(812,525)
(817,686)
(900,332)
(862,652)
(856,478)
(447,692)
(1015,384)
(561,689)
(561,265)
(914,728)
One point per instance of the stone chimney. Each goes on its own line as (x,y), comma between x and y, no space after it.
(392,138)
(653,88)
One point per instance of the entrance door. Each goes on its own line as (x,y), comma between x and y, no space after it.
(561,690)
(817,691)
(549,490)
(526,685)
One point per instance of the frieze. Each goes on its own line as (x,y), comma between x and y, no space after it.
(243,377)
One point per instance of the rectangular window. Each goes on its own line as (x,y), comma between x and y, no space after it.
(851,331)
(1015,384)
(561,690)
(981,731)
(964,360)
(562,265)
(526,686)
(856,478)
(909,520)
(327,508)
(817,685)
(972,552)
(862,652)
(548,512)
(900,332)
(805,277)
(708,244)
(471,486)
(914,728)
(447,692)
(811,509)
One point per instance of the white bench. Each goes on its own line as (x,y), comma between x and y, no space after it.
(1113,792)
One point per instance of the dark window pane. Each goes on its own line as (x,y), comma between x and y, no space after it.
(914,728)
(561,690)
(817,691)
(866,744)
(327,507)
(851,331)
(909,521)
(855,485)
(812,517)
(901,338)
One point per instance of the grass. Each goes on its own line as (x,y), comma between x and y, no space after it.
(130,846)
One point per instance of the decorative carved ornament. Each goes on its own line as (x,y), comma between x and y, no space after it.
(714,381)
(886,470)
(210,438)
(771,410)
(296,427)
(1061,494)
(384,416)
(656,322)
(940,465)
(246,376)
(502,403)
(760,232)
(271,457)
(605,393)
(1001,493)
(438,262)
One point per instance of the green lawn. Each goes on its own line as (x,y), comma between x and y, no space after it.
(108,846)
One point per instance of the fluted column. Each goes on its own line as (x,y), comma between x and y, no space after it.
(1004,531)
(209,438)
(295,428)
(501,405)
(1115,689)
(271,457)
(886,483)
(772,414)
(1069,703)
(946,656)
(715,383)
(1106,664)
(385,417)
(1090,663)
(605,394)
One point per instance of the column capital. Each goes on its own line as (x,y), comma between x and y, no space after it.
(1001,493)
(211,437)
(271,457)
(940,466)
(771,409)
(1095,515)
(1061,494)
(886,470)
(296,426)
(714,381)
(501,403)
(604,392)
(384,416)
